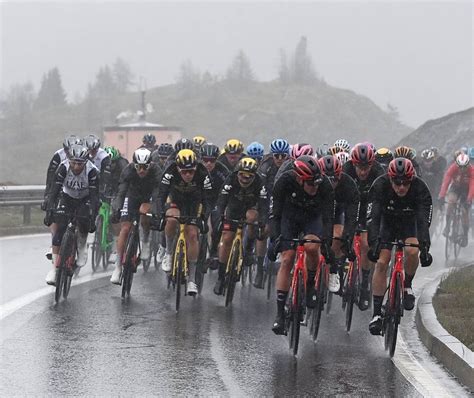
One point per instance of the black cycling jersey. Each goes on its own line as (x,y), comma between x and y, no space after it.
(288,164)
(223,159)
(385,203)
(218,176)
(235,200)
(58,157)
(268,170)
(133,186)
(417,167)
(347,197)
(288,193)
(197,192)
(115,169)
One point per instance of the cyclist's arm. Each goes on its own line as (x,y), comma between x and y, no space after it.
(206,195)
(374,210)
(94,182)
(351,211)
(51,173)
(164,189)
(224,195)
(423,212)
(262,204)
(59,178)
(124,183)
(105,175)
(328,209)
(448,176)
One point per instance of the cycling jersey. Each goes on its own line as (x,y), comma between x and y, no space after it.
(190,197)
(234,199)
(268,171)
(116,167)
(347,202)
(393,217)
(102,161)
(287,165)
(223,159)
(218,176)
(58,157)
(433,175)
(459,180)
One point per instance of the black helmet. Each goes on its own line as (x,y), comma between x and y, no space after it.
(210,151)
(149,139)
(92,142)
(70,140)
(183,143)
(165,149)
(78,153)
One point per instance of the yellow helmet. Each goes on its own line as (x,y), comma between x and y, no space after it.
(247,165)
(233,146)
(404,152)
(199,140)
(186,159)
(335,149)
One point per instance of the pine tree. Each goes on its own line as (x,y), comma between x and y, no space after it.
(240,70)
(104,83)
(122,75)
(51,93)
(302,66)
(284,70)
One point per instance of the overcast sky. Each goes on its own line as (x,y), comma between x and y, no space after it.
(418,56)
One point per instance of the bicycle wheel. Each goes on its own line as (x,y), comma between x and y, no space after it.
(447,244)
(269,277)
(456,235)
(64,254)
(67,284)
(297,313)
(232,276)
(179,274)
(97,244)
(130,258)
(201,263)
(320,295)
(350,293)
(393,319)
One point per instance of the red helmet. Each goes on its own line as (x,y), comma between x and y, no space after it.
(362,154)
(330,166)
(307,168)
(298,150)
(401,169)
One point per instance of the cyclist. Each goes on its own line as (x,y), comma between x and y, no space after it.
(400,207)
(432,174)
(233,151)
(439,160)
(218,173)
(256,151)
(267,170)
(363,169)
(458,184)
(296,151)
(243,196)
(149,142)
(408,153)
(160,155)
(100,159)
(139,182)
(303,202)
(198,141)
(384,156)
(75,189)
(187,187)
(345,220)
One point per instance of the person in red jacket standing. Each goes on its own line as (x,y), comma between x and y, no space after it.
(458,184)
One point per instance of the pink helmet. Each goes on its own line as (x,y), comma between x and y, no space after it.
(298,150)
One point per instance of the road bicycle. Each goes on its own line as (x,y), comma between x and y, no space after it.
(155,241)
(200,265)
(270,270)
(321,284)
(103,239)
(454,232)
(392,309)
(66,260)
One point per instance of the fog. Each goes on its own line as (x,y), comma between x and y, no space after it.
(417,56)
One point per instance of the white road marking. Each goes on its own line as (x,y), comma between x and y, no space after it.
(14,305)
(12,237)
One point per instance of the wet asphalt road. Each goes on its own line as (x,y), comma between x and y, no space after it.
(95,343)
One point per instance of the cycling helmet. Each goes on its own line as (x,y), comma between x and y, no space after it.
(183,143)
(383,155)
(307,168)
(471,152)
(233,146)
(343,144)
(401,169)
(280,146)
(464,149)
(210,151)
(248,165)
(255,150)
(70,140)
(362,154)
(92,142)
(199,141)
(334,149)
(298,150)
(142,156)
(404,152)
(78,153)
(371,145)
(343,157)
(427,155)
(330,166)
(113,152)
(435,150)
(165,150)
(462,160)
(186,159)
(149,139)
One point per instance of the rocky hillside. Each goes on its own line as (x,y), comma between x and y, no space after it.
(448,133)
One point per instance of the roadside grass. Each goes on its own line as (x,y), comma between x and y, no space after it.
(12,216)
(454,304)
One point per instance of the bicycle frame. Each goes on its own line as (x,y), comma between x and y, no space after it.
(299,266)
(104,212)
(238,239)
(397,269)
(180,245)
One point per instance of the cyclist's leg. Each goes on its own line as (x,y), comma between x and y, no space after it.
(145,223)
(311,262)
(283,286)
(452,199)
(251,216)
(83,210)
(336,244)
(192,246)
(366,266)
(171,230)
(411,264)
(465,217)
(261,251)
(61,224)
(379,285)
(225,245)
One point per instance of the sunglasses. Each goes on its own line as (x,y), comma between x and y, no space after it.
(187,171)
(399,182)
(209,160)
(142,166)
(363,167)
(313,183)
(75,163)
(280,156)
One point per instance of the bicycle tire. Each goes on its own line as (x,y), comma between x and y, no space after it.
(456,235)
(130,252)
(232,276)
(179,276)
(59,285)
(64,253)
(447,244)
(67,285)
(297,314)
(350,294)
(317,311)
(105,259)
(97,245)
(269,278)
(200,266)
(396,316)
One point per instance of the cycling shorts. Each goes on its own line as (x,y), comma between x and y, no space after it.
(339,214)
(394,228)
(186,209)
(131,208)
(70,205)
(295,221)
(460,191)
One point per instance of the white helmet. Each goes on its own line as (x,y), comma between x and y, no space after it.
(142,156)
(343,144)
(343,157)
(462,160)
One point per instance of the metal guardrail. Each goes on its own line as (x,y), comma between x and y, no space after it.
(26,196)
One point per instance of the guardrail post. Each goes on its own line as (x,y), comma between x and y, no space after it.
(26,215)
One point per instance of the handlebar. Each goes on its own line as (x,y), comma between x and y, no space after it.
(301,242)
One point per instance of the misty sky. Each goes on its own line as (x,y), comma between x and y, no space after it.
(418,56)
